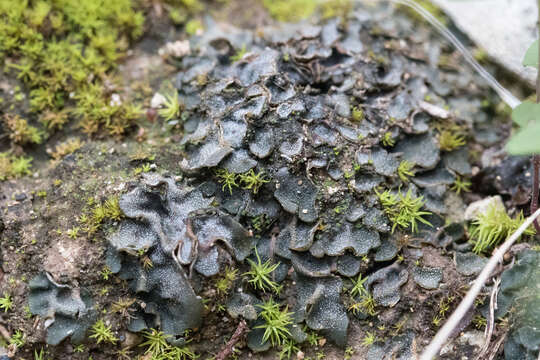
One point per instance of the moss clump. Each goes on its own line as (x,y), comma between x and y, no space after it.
(492,227)
(276,322)
(158,348)
(64,51)
(387,139)
(403,210)
(405,170)
(171,107)
(14,166)
(357,113)
(66,147)
(461,184)
(102,333)
(194,26)
(253,181)
(290,10)
(336,8)
(260,274)
(95,213)
(239,54)
(450,140)
(20,132)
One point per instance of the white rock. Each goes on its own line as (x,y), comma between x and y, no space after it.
(116,100)
(481,206)
(504,28)
(157,100)
(176,49)
(473,338)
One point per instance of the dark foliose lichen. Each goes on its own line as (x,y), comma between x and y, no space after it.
(67,312)
(277,157)
(519,298)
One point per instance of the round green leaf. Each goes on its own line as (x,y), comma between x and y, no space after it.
(526,141)
(526,113)
(531,56)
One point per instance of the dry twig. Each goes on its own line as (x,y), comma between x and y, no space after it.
(235,338)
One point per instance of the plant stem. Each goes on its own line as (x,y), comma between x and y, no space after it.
(536,158)
(534,192)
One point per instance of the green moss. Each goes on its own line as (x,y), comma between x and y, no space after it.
(253,181)
(194,26)
(96,213)
(65,47)
(492,227)
(260,274)
(14,166)
(450,140)
(369,339)
(67,147)
(357,113)
(288,349)
(276,322)
(461,184)
(403,210)
(6,303)
(102,333)
(239,54)
(18,339)
(228,179)
(158,348)
(336,8)
(20,132)
(405,170)
(387,139)
(171,107)
(290,10)
(224,284)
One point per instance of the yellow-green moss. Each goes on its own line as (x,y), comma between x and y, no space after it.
(63,47)
(290,10)
(67,147)
(20,132)
(336,8)
(14,166)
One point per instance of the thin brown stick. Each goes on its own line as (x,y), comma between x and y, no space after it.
(235,338)
(491,320)
(536,158)
(534,190)
(4,333)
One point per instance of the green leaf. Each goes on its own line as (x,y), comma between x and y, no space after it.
(526,113)
(531,56)
(526,141)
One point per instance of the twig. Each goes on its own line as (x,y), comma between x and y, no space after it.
(5,334)
(534,190)
(495,348)
(536,158)
(442,335)
(491,320)
(229,347)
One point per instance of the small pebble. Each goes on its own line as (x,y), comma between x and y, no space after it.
(20,197)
